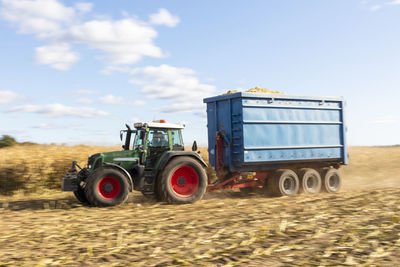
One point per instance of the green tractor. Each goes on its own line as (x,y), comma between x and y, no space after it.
(155,163)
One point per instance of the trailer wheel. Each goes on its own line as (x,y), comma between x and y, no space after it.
(81,196)
(332,180)
(283,183)
(311,181)
(183,180)
(107,187)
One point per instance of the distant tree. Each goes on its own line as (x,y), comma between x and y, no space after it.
(6,141)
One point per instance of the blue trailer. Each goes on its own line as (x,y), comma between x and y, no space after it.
(280,143)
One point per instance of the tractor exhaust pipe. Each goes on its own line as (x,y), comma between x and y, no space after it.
(128,137)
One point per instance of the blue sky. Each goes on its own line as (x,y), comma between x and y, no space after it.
(75,72)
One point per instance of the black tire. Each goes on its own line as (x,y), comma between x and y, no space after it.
(158,191)
(332,180)
(283,183)
(107,187)
(311,181)
(81,196)
(183,181)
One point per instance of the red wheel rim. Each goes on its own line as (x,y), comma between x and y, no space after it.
(109,187)
(184,181)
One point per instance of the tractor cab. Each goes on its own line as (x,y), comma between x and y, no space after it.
(155,138)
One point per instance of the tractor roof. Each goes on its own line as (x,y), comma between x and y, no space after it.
(159,124)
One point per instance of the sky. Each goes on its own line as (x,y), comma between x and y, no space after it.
(75,72)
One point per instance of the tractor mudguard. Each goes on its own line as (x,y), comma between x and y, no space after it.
(171,154)
(123,170)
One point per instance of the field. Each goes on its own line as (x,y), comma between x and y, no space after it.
(359,226)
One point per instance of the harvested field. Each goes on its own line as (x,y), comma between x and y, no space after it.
(34,168)
(359,226)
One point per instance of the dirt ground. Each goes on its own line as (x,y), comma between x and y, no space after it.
(358,226)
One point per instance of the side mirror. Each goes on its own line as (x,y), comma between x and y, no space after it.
(194,146)
(120,135)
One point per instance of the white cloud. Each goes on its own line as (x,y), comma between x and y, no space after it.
(124,41)
(168,82)
(84,7)
(58,56)
(84,100)
(7,96)
(395,2)
(38,16)
(375,7)
(59,110)
(163,17)
(111,99)
(179,86)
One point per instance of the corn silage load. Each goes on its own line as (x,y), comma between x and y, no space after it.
(256,90)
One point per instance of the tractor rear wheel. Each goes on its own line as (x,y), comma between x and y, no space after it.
(183,180)
(332,180)
(283,183)
(107,187)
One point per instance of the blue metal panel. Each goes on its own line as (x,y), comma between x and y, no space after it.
(265,128)
(224,127)
(287,135)
(254,156)
(345,154)
(284,114)
(212,130)
(237,133)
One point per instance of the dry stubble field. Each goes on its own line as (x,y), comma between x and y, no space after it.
(359,226)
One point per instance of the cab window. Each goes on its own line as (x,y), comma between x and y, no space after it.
(138,139)
(158,138)
(176,138)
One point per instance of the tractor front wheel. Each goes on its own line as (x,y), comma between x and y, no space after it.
(183,180)
(81,196)
(107,187)
(79,193)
